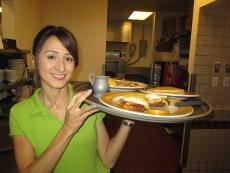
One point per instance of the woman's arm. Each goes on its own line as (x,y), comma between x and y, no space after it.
(24,152)
(25,155)
(109,150)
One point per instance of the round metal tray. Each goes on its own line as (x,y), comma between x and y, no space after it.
(199,111)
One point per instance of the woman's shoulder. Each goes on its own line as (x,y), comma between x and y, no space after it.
(25,104)
(22,105)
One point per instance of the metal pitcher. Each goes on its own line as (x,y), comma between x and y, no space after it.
(99,83)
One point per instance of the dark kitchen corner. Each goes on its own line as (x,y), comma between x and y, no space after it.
(149,148)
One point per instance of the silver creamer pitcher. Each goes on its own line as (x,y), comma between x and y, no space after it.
(99,83)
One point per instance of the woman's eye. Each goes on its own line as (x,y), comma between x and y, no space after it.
(51,57)
(69,59)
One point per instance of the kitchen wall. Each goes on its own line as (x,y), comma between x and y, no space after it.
(86,19)
(27,21)
(143,32)
(8,19)
(209,148)
(213,45)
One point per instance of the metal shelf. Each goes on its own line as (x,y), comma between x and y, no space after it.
(13,51)
(10,85)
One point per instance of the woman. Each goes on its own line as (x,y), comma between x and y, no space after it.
(53,130)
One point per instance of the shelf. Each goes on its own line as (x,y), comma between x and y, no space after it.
(13,51)
(117,42)
(10,85)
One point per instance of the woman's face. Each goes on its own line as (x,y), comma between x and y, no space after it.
(55,64)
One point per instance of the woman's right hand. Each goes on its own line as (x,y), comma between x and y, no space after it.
(75,116)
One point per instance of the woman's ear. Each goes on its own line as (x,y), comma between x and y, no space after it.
(33,62)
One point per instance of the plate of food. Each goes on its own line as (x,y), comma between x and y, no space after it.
(170,91)
(143,104)
(125,85)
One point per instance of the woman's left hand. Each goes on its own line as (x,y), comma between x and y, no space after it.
(75,116)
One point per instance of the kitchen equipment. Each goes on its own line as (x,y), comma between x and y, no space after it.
(114,63)
(9,43)
(3,95)
(99,83)
(115,54)
(1,75)
(18,65)
(156,74)
(11,75)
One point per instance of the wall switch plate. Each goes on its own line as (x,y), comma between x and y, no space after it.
(227,68)
(142,48)
(216,67)
(226,82)
(215,81)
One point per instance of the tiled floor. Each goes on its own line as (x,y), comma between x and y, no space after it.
(8,164)
(149,149)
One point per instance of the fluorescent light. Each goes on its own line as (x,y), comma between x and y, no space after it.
(0,9)
(140,15)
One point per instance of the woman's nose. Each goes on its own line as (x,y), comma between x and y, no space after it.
(60,66)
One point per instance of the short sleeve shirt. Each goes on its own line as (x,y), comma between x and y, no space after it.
(31,119)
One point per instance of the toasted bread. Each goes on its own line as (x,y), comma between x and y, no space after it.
(167,89)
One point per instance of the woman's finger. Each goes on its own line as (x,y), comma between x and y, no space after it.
(78,98)
(75,97)
(81,99)
(82,111)
(90,112)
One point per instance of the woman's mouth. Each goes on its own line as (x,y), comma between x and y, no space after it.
(58,76)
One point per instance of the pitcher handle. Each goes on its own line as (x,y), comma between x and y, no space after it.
(91,78)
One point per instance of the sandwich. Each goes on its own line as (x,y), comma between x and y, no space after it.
(134,103)
(155,100)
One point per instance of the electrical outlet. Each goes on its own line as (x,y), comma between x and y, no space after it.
(216,67)
(226,82)
(215,81)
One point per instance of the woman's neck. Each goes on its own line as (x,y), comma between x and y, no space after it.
(54,98)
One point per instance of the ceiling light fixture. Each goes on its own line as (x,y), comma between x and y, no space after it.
(140,15)
(0,9)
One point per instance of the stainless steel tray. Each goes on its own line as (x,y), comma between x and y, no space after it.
(199,111)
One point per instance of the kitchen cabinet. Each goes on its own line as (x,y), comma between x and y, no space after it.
(119,31)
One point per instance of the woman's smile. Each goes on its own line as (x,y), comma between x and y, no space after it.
(58,76)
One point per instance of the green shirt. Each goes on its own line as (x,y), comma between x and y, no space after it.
(30,118)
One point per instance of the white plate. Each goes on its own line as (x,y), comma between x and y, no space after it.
(119,88)
(108,100)
(173,95)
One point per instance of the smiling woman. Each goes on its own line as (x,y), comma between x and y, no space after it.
(55,130)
